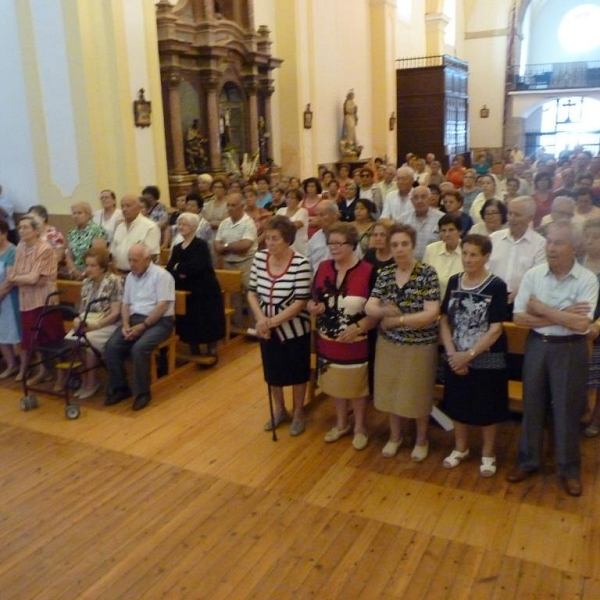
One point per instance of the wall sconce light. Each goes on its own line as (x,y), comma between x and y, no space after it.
(392,124)
(308,117)
(484,112)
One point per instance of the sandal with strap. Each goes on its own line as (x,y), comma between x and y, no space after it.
(455,458)
(488,466)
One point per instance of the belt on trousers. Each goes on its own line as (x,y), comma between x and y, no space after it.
(557,339)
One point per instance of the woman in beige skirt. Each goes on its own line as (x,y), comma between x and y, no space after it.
(406,298)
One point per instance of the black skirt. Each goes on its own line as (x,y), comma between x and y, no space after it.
(286,362)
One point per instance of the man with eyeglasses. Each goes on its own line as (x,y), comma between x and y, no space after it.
(518,248)
(424,219)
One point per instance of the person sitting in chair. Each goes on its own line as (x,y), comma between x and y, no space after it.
(147,316)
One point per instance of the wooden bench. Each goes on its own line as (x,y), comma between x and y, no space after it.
(230,283)
(71,294)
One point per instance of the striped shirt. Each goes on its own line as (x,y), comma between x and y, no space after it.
(40,259)
(277,292)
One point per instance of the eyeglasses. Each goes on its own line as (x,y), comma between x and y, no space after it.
(337,244)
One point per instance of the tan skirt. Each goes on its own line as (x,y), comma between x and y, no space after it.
(344,381)
(405,378)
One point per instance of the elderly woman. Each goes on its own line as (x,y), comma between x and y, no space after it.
(215,210)
(445,256)
(348,203)
(364,222)
(109,216)
(406,298)
(379,254)
(476,380)
(469,189)
(494,217)
(278,292)
(452,201)
(104,316)
(50,234)
(10,330)
(299,217)
(34,273)
(488,192)
(191,267)
(340,290)
(543,197)
(82,237)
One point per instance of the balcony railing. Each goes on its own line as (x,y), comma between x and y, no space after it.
(441,60)
(555,76)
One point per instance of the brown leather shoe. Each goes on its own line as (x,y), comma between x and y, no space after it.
(572,485)
(516,474)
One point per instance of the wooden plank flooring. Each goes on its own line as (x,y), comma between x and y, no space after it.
(190,499)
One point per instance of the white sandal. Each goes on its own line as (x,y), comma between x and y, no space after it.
(455,458)
(391,448)
(488,466)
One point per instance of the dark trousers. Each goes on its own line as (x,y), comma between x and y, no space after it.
(554,374)
(117,348)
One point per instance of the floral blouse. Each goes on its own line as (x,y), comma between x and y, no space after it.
(422,286)
(110,287)
(80,241)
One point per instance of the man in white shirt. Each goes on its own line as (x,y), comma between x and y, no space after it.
(424,219)
(134,229)
(236,242)
(388,183)
(518,248)
(398,202)
(147,315)
(557,301)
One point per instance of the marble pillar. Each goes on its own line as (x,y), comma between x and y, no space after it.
(176,127)
(212,105)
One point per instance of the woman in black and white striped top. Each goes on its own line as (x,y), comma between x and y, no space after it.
(278,292)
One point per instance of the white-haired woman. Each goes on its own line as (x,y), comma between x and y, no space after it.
(82,237)
(191,266)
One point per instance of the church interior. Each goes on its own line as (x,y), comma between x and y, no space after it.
(191,498)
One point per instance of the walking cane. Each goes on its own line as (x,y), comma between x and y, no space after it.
(272,414)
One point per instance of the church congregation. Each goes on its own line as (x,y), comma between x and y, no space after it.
(407,275)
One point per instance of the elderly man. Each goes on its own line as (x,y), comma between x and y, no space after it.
(236,242)
(134,229)
(147,315)
(563,209)
(518,248)
(318,251)
(557,301)
(388,182)
(424,219)
(398,202)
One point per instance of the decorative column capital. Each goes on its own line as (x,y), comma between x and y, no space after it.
(174,79)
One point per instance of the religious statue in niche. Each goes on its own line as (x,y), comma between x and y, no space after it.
(263,139)
(195,149)
(225,129)
(349,144)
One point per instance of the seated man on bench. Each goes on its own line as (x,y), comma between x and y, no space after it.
(147,315)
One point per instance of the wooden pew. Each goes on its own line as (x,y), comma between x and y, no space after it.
(70,294)
(230,282)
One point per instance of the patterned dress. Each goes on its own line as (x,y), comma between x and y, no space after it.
(481,396)
(80,241)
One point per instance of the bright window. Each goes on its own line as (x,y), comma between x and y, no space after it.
(578,29)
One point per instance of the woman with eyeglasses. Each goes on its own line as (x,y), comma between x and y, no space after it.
(494,215)
(340,291)
(488,191)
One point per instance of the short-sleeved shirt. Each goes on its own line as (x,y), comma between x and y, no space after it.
(80,241)
(145,292)
(277,292)
(110,287)
(158,213)
(422,286)
(243,229)
(580,285)
(428,230)
(39,258)
(108,225)
(140,231)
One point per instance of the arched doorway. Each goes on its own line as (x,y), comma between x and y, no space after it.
(561,124)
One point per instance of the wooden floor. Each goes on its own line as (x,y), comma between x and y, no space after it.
(191,499)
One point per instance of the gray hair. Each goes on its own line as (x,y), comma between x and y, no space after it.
(189,218)
(575,232)
(528,202)
(562,201)
(329,206)
(405,172)
(36,222)
(85,206)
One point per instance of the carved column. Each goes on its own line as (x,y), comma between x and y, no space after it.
(251,15)
(176,128)
(209,10)
(237,13)
(212,106)
(251,89)
(269,119)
